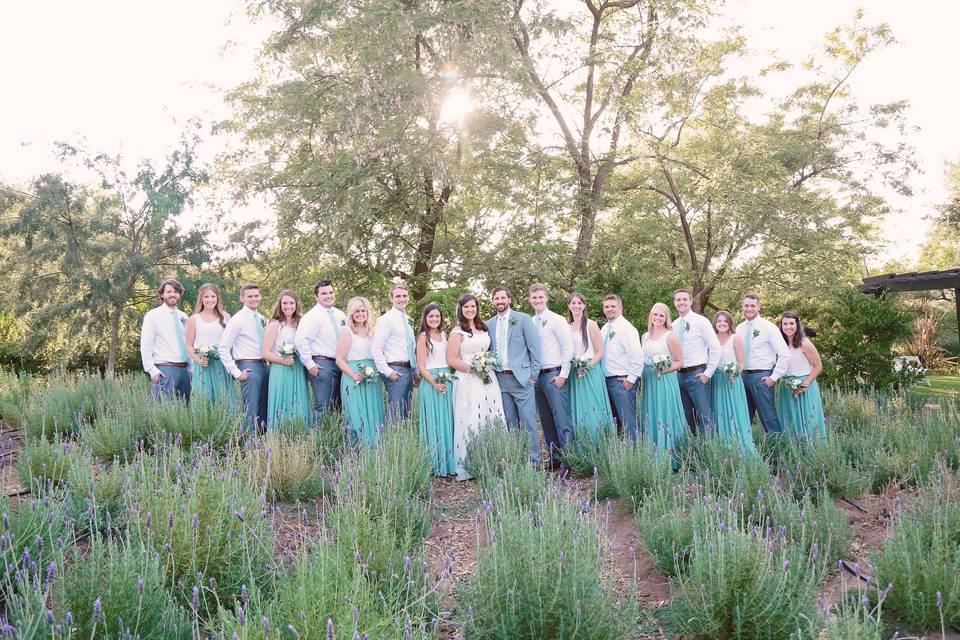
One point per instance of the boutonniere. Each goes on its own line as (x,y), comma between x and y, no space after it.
(756,332)
(343,322)
(611,334)
(541,322)
(183,320)
(513,322)
(263,321)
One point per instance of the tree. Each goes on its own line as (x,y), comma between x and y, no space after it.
(950,210)
(379,116)
(91,253)
(788,199)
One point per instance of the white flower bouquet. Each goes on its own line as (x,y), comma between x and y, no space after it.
(581,363)
(287,350)
(661,363)
(794,382)
(207,351)
(483,363)
(731,370)
(445,377)
(367,373)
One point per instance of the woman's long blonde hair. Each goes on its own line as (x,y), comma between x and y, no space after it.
(353,305)
(221,312)
(666,312)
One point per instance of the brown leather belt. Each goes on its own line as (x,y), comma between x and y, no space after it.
(549,370)
(315,358)
(693,368)
(401,365)
(756,370)
(179,365)
(251,361)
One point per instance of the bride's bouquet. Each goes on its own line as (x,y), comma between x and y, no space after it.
(208,352)
(483,363)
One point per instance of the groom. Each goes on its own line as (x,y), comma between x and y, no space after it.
(516,342)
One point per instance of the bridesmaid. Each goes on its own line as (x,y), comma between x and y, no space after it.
(436,396)
(589,402)
(661,410)
(203,332)
(799,406)
(728,397)
(362,396)
(288,398)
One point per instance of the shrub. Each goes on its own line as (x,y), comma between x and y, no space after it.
(858,615)
(740,584)
(208,525)
(665,523)
(635,469)
(65,405)
(43,462)
(922,558)
(287,469)
(539,576)
(726,469)
(200,421)
(34,535)
(822,463)
(587,457)
(129,584)
(96,499)
(494,448)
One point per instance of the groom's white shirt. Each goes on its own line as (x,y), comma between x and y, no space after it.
(241,340)
(317,336)
(390,340)
(556,342)
(700,344)
(503,324)
(768,349)
(622,354)
(158,338)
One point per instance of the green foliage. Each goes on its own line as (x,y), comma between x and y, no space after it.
(199,422)
(636,470)
(65,405)
(34,535)
(856,338)
(127,585)
(287,469)
(493,449)
(726,469)
(42,462)
(97,499)
(539,576)
(921,559)
(118,432)
(587,457)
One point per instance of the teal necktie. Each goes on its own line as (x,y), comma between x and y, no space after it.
(258,319)
(746,345)
(682,333)
(411,347)
(606,338)
(502,336)
(181,341)
(333,323)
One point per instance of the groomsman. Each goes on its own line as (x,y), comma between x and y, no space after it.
(516,342)
(701,355)
(242,346)
(393,353)
(552,391)
(316,342)
(767,356)
(622,364)
(163,348)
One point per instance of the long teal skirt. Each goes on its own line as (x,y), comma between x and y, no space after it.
(363,405)
(436,425)
(801,415)
(589,403)
(213,382)
(662,421)
(729,403)
(288,395)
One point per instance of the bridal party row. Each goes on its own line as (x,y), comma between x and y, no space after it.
(684,374)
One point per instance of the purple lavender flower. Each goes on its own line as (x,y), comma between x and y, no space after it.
(97,610)
(140,586)
(330,629)
(266,626)
(939,601)
(195,600)
(68,618)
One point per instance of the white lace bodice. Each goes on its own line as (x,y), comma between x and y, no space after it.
(207,334)
(437,357)
(798,365)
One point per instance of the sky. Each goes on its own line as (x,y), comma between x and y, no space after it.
(126,76)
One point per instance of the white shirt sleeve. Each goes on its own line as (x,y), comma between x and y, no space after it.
(305,330)
(713,347)
(226,344)
(147,336)
(565,340)
(634,353)
(380,335)
(783,352)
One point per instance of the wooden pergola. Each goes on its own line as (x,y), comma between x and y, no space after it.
(920,281)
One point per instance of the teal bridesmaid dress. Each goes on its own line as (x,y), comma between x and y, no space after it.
(800,415)
(288,394)
(662,420)
(212,381)
(729,403)
(589,402)
(436,413)
(363,402)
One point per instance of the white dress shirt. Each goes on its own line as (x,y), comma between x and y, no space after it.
(767,349)
(700,344)
(317,335)
(390,340)
(159,341)
(242,340)
(622,354)
(555,341)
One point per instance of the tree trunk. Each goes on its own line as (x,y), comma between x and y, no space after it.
(432,215)
(114,340)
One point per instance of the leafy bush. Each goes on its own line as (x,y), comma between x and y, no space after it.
(635,470)
(922,558)
(65,405)
(493,449)
(43,462)
(34,535)
(287,469)
(822,463)
(587,457)
(118,590)
(200,421)
(726,469)
(539,576)
(96,499)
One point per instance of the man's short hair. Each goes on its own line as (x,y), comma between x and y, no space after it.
(500,288)
(248,287)
(537,286)
(173,282)
(753,296)
(398,285)
(613,296)
(321,283)
(686,291)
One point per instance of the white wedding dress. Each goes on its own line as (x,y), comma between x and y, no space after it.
(475,404)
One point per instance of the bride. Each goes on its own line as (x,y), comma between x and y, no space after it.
(475,403)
